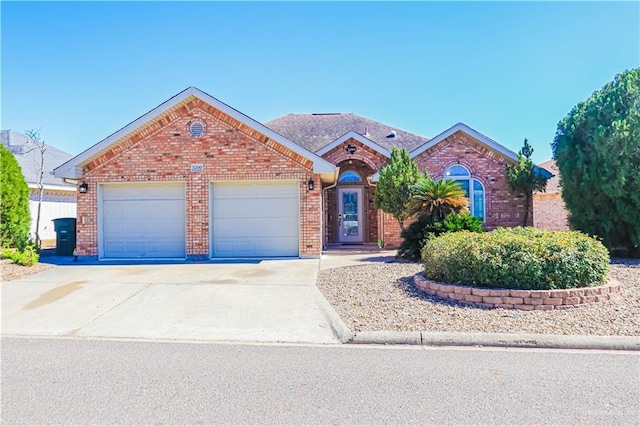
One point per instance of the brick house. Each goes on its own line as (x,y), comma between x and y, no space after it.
(195,178)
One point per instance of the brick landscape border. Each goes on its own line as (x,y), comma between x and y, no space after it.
(526,300)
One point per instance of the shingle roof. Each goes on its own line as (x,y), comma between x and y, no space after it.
(314,131)
(553,184)
(29,159)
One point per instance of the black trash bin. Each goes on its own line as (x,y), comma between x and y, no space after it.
(65,228)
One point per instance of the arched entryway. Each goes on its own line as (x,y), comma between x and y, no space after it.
(350,216)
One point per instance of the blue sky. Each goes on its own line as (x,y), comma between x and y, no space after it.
(80,71)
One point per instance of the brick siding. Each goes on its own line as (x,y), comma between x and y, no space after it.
(550,212)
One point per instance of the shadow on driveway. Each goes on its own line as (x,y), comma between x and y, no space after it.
(49,256)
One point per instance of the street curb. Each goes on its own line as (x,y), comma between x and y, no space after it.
(502,340)
(339,328)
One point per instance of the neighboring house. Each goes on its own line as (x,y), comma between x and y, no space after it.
(549,210)
(58,198)
(196,178)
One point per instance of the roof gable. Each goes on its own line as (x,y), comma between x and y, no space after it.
(461,127)
(73,167)
(357,136)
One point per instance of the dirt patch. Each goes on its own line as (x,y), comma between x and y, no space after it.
(10,271)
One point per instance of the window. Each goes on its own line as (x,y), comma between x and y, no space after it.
(473,188)
(349,176)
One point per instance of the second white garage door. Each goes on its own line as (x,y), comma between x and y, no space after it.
(255,219)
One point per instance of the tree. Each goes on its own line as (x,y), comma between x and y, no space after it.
(15,217)
(433,200)
(38,145)
(524,178)
(394,186)
(597,149)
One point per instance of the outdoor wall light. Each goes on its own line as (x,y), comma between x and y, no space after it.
(310,185)
(84,187)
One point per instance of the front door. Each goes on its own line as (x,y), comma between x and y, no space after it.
(350,215)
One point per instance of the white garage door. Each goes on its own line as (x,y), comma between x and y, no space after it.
(254,219)
(143,221)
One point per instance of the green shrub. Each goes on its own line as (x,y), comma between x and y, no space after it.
(518,258)
(27,257)
(415,235)
(15,217)
(462,222)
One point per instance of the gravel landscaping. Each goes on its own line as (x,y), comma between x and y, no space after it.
(9,271)
(382,297)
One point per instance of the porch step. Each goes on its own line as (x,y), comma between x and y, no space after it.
(353,248)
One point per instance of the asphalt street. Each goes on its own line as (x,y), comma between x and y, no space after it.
(83,381)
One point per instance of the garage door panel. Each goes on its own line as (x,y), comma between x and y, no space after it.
(248,247)
(114,247)
(113,210)
(256,227)
(246,208)
(150,192)
(138,223)
(255,219)
(248,190)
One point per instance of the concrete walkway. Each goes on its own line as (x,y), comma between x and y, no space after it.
(266,301)
(340,259)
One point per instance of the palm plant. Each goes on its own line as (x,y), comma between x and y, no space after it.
(435,199)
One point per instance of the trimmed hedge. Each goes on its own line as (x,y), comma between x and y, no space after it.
(517,258)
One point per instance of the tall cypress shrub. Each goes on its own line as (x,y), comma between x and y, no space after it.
(597,149)
(15,218)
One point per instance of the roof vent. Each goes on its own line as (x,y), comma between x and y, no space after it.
(196,129)
(392,134)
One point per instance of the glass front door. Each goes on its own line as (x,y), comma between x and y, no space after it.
(350,215)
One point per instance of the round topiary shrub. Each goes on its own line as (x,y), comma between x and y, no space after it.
(517,258)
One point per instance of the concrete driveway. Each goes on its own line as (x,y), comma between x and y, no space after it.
(266,301)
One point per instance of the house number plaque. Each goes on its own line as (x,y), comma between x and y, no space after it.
(197,167)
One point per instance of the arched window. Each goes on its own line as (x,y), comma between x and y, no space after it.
(349,176)
(473,188)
